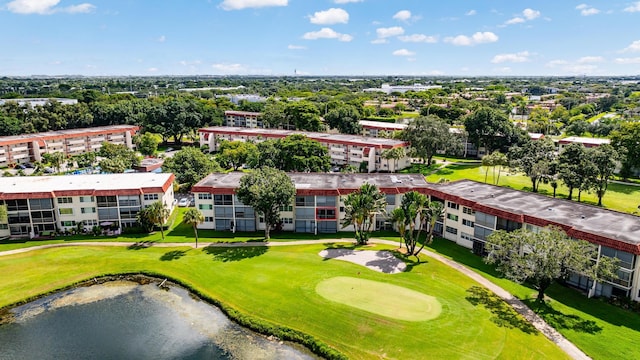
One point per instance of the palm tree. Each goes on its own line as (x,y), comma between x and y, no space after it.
(194,218)
(434,211)
(397,218)
(419,212)
(158,214)
(361,208)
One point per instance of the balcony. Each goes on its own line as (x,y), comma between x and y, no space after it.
(97,139)
(20,148)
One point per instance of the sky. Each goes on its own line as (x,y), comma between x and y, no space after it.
(319,37)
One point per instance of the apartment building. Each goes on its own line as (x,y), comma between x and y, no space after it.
(343,149)
(584,141)
(379,128)
(318,206)
(43,204)
(245,119)
(474,210)
(24,148)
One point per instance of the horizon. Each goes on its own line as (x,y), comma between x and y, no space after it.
(322,38)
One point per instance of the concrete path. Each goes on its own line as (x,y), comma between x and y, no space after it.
(518,305)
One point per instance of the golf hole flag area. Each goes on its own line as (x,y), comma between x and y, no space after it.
(380,298)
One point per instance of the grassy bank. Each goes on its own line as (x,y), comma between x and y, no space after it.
(278,286)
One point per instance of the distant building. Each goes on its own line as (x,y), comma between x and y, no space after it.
(343,149)
(388,89)
(39,101)
(245,119)
(376,128)
(38,205)
(24,148)
(585,141)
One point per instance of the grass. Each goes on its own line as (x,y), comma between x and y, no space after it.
(601,330)
(380,298)
(278,285)
(619,197)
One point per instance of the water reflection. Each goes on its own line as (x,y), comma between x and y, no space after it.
(123,320)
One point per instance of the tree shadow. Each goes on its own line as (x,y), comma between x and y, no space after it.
(228,254)
(173,255)
(503,314)
(140,245)
(560,320)
(410,261)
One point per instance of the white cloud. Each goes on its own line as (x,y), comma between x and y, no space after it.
(244,4)
(519,57)
(515,20)
(379,41)
(389,32)
(634,47)
(623,61)
(477,38)
(80,8)
(161,38)
(471,12)
(346,1)
(419,38)
(586,10)
(296,47)
(331,16)
(327,33)
(152,70)
(46,7)
(402,15)
(528,14)
(635,7)
(403,52)
(590,59)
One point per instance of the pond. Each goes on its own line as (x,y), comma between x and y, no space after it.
(125,320)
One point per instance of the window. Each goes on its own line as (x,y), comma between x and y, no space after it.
(452,205)
(286,208)
(208,219)
(485,220)
(68,223)
(391,199)
(508,225)
(205,197)
(129,200)
(304,201)
(305,213)
(40,204)
(4,226)
(87,199)
(65,200)
(205,206)
(466,236)
(451,230)
(466,222)
(88,210)
(15,205)
(326,213)
(66,211)
(150,197)
(223,199)
(287,220)
(325,201)
(91,222)
(107,201)
(452,217)
(481,233)
(468,210)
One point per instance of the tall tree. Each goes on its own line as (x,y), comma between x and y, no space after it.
(147,143)
(266,190)
(397,217)
(299,153)
(361,208)
(625,140)
(190,165)
(194,218)
(428,135)
(345,118)
(534,159)
(394,154)
(492,129)
(55,159)
(304,115)
(157,214)
(419,214)
(234,154)
(538,257)
(574,167)
(604,159)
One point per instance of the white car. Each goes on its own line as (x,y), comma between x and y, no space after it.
(183,202)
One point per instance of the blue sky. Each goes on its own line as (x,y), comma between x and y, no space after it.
(319,37)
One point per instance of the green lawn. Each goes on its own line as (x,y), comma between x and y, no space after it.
(601,330)
(278,285)
(620,197)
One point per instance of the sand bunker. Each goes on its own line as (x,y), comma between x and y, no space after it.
(382,261)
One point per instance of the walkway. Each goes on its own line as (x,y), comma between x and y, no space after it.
(518,305)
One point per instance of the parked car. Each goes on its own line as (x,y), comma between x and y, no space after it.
(168,149)
(21,167)
(183,202)
(28,165)
(48,170)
